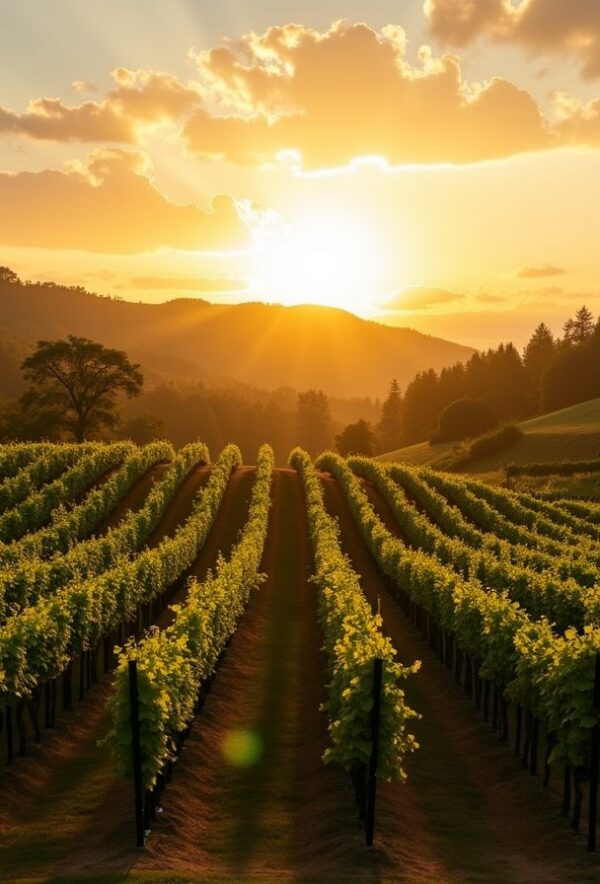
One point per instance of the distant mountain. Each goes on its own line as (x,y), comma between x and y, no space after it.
(265,345)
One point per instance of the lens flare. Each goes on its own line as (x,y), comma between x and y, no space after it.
(242,748)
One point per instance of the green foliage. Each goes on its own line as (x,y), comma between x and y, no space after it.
(390,425)
(37,643)
(22,585)
(16,456)
(357,438)
(463,419)
(492,442)
(92,462)
(75,382)
(172,664)
(353,640)
(48,466)
(549,674)
(541,588)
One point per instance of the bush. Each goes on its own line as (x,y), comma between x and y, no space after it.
(463,419)
(484,446)
(495,441)
(357,438)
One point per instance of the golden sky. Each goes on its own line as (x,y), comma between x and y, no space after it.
(429,164)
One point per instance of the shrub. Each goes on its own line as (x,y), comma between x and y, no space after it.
(463,419)
(486,445)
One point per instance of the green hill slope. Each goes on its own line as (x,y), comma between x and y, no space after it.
(569,434)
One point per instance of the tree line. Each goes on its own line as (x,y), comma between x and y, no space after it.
(551,373)
(80,389)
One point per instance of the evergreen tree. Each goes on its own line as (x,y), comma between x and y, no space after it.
(390,425)
(421,407)
(506,383)
(537,356)
(580,328)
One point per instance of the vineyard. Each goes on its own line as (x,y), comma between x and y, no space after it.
(344,669)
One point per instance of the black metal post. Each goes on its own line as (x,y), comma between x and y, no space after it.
(594,762)
(518,729)
(534,746)
(566,803)
(82,674)
(9,734)
(137,755)
(67,684)
(372,775)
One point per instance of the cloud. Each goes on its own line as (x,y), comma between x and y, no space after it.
(48,119)
(109,204)
(419,297)
(540,271)
(140,98)
(83,86)
(324,99)
(350,92)
(180,283)
(542,26)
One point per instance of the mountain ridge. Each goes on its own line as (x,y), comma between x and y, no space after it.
(268,345)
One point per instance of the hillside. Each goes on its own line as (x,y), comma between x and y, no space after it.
(569,434)
(265,345)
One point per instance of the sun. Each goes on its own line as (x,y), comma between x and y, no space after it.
(326,259)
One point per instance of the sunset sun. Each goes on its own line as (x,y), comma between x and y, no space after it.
(325,259)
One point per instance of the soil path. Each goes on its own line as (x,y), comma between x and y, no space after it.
(135,498)
(281,813)
(63,811)
(468,811)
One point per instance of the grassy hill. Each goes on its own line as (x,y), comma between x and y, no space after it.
(266,345)
(569,434)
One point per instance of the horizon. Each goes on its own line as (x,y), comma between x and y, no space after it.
(487,341)
(215,161)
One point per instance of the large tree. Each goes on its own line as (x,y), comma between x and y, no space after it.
(75,383)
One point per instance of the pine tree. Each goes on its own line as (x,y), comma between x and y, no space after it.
(579,329)
(390,425)
(537,356)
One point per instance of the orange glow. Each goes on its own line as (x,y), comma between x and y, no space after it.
(323,258)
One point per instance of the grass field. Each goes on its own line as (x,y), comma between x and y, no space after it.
(569,434)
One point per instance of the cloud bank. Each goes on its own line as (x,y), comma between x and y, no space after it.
(569,27)
(109,204)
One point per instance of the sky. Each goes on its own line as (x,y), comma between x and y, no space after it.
(427,164)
